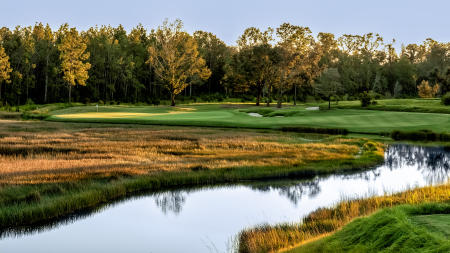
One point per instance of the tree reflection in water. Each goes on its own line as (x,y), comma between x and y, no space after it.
(172,201)
(295,191)
(433,162)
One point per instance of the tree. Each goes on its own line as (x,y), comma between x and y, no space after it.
(72,49)
(255,53)
(44,41)
(329,84)
(215,52)
(175,58)
(5,69)
(426,91)
(300,58)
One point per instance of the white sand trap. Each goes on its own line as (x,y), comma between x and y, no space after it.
(254,114)
(313,108)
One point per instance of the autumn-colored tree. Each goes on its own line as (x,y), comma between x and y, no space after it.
(426,91)
(5,69)
(300,56)
(175,58)
(72,49)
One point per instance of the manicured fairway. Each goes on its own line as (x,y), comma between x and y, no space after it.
(223,115)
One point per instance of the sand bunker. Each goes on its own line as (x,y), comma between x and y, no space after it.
(113,115)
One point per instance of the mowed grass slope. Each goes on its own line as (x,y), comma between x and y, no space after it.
(438,224)
(398,229)
(358,121)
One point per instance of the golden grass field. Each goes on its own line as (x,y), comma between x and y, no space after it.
(41,152)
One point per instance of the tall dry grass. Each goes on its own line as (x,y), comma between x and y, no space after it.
(326,220)
(44,152)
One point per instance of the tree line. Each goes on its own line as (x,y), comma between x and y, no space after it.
(288,63)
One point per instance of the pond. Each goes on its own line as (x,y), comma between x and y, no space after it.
(208,219)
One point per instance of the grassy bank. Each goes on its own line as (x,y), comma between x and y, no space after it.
(50,170)
(237,116)
(407,228)
(328,220)
(399,105)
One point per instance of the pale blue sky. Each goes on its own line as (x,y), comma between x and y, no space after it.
(409,21)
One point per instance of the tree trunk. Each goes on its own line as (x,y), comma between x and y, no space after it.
(258,97)
(70,93)
(295,94)
(172,97)
(46,81)
(279,102)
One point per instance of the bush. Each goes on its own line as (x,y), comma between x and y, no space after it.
(247,98)
(335,131)
(422,135)
(446,99)
(215,97)
(365,99)
(156,101)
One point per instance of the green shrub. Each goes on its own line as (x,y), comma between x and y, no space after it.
(365,99)
(334,131)
(446,99)
(422,135)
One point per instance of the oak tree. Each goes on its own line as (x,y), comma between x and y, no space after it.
(175,58)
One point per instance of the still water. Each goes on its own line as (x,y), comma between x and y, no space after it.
(208,219)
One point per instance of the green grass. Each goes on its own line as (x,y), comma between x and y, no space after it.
(399,229)
(222,115)
(401,105)
(435,223)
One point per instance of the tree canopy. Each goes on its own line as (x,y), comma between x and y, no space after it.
(108,64)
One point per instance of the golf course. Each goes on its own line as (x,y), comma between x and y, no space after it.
(240,115)
(119,134)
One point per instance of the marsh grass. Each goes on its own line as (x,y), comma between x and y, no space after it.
(327,220)
(30,157)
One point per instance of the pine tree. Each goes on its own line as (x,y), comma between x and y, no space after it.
(72,49)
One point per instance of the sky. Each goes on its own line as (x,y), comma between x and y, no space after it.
(408,21)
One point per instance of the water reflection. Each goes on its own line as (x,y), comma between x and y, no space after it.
(204,219)
(433,162)
(171,202)
(293,191)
